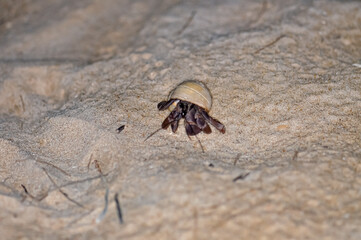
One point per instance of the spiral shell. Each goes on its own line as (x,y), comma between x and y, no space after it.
(194,92)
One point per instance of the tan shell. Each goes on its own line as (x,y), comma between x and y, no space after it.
(193,91)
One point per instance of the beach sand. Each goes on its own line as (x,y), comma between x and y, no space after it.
(286,82)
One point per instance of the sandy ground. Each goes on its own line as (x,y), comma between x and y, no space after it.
(286,81)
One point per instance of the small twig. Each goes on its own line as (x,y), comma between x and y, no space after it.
(22,102)
(61,191)
(83,180)
(240,177)
(77,219)
(189,20)
(106,196)
(52,165)
(119,210)
(260,13)
(120,129)
(270,44)
(295,155)
(236,159)
(102,214)
(98,167)
(40,125)
(26,191)
(90,160)
(33,197)
(26,194)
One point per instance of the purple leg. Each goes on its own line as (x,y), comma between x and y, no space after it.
(165,104)
(217,124)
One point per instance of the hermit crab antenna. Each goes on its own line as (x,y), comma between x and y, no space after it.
(150,135)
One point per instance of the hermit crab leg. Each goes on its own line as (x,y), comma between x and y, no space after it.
(201,122)
(174,125)
(217,124)
(173,119)
(191,124)
(165,104)
(191,129)
(190,120)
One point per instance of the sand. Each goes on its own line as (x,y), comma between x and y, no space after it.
(286,82)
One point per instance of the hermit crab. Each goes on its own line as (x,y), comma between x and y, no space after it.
(192,101)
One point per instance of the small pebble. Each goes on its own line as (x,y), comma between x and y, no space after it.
(152,75)
(282,127)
